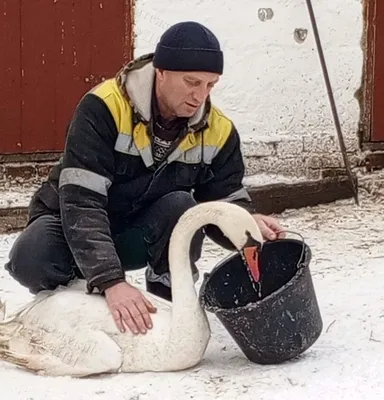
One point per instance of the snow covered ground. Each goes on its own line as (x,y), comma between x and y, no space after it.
(347,362)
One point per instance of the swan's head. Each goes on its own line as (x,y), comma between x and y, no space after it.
(241,229)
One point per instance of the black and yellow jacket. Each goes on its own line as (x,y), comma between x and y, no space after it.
(107,172)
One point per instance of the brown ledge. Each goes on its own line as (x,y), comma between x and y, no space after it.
(275,198)
(266,199)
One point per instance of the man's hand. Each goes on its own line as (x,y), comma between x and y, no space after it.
(269,227)
(129,308)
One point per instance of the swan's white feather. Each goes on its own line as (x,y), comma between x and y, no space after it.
(70,332)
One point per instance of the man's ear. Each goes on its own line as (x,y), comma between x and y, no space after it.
(159,73)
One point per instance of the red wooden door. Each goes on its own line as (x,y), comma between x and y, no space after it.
(51,53)
(375,69)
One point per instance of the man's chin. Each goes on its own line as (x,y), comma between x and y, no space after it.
(187,113)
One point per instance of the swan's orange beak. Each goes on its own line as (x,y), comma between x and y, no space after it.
(251,255)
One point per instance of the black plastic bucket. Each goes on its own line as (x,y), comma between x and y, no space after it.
(279,321)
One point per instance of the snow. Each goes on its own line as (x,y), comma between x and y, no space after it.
(16,196)
(346,362)
(271,178)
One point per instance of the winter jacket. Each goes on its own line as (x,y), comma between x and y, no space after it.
(107,172)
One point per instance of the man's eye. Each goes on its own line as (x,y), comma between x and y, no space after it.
(192,83)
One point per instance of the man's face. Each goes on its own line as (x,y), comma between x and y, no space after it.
(184,92)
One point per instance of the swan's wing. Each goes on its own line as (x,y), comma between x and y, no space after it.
(161,304)
(38,298)
(60,352)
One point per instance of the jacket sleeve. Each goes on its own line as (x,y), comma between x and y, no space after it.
(226,184)
(87,173)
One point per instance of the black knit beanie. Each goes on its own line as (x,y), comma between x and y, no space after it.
(189,46)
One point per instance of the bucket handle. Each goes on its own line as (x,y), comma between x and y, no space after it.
(301,259)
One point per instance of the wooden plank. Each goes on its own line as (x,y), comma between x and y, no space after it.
(54,52)
(73,58)
(66,53)
(13,219)
(376,18)
(56,61)
(111,37)
(374,161)
(28,158)
(38,72)
(10,77)
(275,198)
(266,199)
(364,94)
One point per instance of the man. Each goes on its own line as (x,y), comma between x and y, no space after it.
(141,149)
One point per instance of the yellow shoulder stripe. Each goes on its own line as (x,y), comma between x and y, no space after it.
(219,129)
(216,135)
(120,109)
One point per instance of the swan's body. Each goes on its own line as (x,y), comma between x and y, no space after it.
(69,332)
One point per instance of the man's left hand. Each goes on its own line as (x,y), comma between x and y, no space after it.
(269,227)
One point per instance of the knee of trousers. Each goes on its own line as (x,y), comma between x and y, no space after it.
(175,204)
(179,202)
(34,269)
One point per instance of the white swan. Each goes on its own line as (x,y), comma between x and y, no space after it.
(69,332)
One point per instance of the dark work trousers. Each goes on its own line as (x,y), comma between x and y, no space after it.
(40,258)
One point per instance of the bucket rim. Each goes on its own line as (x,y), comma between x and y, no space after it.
(301,267)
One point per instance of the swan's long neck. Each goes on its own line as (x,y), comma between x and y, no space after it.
(183,288)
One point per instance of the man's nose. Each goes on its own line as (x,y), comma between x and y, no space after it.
(200,94)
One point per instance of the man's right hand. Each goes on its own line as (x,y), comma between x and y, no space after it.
(129,308)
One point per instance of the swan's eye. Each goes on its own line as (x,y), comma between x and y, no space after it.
(251,242)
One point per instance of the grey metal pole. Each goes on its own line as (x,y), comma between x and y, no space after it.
(332,101)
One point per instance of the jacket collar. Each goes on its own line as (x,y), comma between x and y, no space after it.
(136,79)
